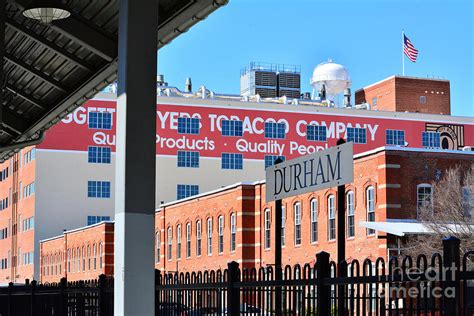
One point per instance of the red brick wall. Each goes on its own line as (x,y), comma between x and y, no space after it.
(19,241)
(393,174)
(403,94)
(54,253)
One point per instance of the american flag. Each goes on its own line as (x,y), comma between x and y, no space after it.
(409,49)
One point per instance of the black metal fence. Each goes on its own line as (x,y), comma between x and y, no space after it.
(81,298)
(436,285)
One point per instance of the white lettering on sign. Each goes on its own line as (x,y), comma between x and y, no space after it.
(321,170)
(185,143)
(80,115)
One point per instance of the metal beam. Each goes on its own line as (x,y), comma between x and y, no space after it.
(14,122)
(83,32)
(57,49)
(32,70)
(25,96)
(2,53)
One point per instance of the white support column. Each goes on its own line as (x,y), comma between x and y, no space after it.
(135,159)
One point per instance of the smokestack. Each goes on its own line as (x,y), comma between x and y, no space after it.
(189,85)
(347,98)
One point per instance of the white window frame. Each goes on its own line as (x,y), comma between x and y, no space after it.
(331,200)
(423,186)
(170,243)
(188,240)
(268,224)
(233,230)
(314,221)
(198,238)
(370,207)
(178,242)
(350,204)
(220,234)
(209,236)
(297,232)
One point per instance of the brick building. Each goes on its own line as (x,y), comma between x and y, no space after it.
(79,254)
(400,94)
(68,180)
(234,223)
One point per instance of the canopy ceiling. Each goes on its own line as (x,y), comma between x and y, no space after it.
(51,69)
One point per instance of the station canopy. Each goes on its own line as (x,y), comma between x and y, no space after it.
(51,69)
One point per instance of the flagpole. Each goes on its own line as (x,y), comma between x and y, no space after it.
(403,56)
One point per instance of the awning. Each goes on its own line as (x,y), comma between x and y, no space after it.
(397,228)
(402,227)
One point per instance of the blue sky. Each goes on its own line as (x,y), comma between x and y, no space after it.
(363,35)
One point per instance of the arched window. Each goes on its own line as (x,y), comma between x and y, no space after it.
(209,236)
(297,209)
(78,259)
(95,256)
(331,218)
(350,214)
(314,220)
(370,206)
(73,258)
(178,242)
(233,231)
(267,228)
(100,255)
(220,234)
(188,240)
(170,243)
(69,260)
(83,258)
(424,196)
(158,246)
(198,238)
(88,257)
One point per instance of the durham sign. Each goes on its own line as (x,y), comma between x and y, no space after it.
(324,169)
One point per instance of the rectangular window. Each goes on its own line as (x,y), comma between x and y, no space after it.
(209,236)
(170,243)
(331,218)
(422,99)
(28,224)
(178,242)
(100,120)
(423,197)
(350,214)
(91,220)
(267,229)
(198,238)
(188,125)
(232,161)
(316,133)
(97,154)
(232,232)
(431,139)
(370,200)
(220,233)
(98,189)
(395,137)
(275,130)
(232,128)
(374,102)
(297,223)
(189,159)
(356,135)
(187,190)
(28,190)
(314,221)
(188,240)
(270,160)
